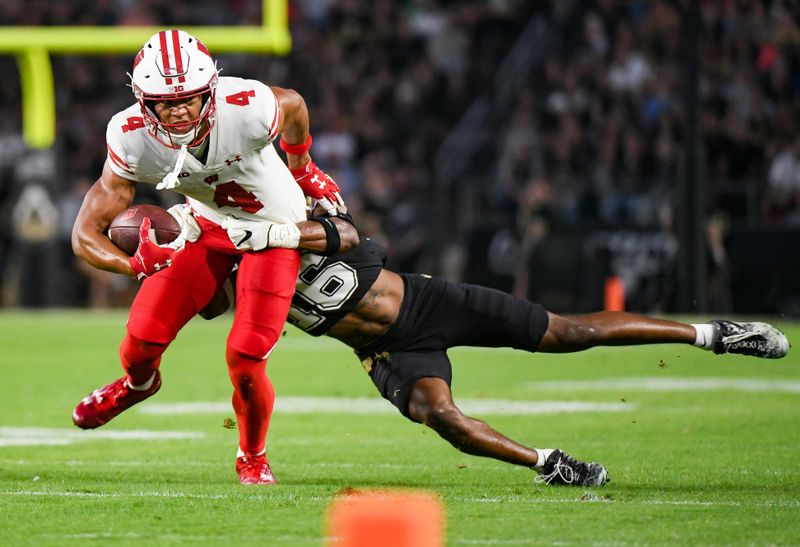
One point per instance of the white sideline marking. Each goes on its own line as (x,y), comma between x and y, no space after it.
(670,384)
(41,436)
(366,405)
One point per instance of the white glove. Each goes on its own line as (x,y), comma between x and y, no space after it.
(190,229)
(255,235)
(330,208)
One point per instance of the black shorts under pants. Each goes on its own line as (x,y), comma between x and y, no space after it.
(437,315)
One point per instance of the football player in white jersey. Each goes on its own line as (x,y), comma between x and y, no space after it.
(209,138)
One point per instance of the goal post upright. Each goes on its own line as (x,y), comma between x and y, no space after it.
(32,47)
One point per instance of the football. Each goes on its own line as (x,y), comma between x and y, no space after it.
(124,229)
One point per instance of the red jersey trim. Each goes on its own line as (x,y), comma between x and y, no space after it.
(118,161)
(276,120)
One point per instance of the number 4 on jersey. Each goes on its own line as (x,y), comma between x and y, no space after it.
(242,98)
(230,194)
(134,123)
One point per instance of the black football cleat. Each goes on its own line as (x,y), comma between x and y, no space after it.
(755,339)
(561,468)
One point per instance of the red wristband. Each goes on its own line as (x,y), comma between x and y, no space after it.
(296,149)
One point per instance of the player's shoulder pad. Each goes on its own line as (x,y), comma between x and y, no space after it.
(252,102)
(125,133)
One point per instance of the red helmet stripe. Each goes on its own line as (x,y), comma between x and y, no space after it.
(176,46)
(162,38)
(138,58)
(202,47)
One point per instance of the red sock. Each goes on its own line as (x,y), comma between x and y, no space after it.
(253,399)
(139,358)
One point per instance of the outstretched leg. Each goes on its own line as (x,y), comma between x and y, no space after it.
(611,328)
(164,303)
(432,404)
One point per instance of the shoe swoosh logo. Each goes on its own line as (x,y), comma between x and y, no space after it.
(247,235)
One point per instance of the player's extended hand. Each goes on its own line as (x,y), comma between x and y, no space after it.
(151,257)
(316,184)
(255,235)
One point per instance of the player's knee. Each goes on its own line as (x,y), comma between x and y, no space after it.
(250,344)
(244,370)
(443,417)
(137,352)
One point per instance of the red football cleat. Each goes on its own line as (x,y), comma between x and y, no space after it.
(101,405)
(254,470)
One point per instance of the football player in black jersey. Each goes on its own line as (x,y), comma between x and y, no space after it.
(401,326)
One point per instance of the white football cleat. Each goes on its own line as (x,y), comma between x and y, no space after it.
(756,339)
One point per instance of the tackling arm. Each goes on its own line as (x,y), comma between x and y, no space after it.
(314,238)
(108,197)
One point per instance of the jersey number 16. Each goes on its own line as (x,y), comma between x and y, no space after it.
(321,288)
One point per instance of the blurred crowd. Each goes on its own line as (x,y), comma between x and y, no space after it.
(595,138)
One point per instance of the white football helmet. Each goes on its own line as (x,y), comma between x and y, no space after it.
(173,64)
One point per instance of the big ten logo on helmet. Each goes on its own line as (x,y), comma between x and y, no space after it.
(176,88)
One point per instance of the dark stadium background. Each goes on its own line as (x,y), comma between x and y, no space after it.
(536,147)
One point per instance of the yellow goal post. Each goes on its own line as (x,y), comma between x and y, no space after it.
(32,47)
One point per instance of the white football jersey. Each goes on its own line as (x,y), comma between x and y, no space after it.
(243,175)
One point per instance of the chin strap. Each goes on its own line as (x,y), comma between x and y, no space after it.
(171,181)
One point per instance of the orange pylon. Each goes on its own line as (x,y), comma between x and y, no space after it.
(385,519)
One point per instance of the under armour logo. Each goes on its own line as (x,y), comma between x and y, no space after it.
(158,266)
(318,181)
(95,396)
(236,158)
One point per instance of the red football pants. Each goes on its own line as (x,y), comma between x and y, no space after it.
(169,299)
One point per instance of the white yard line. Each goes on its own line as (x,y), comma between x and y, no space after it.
(43,436)
(168,463)
(219,539)
(669,384)
(467,541)
(499,499)
(124,495)
(374,405)
(600,499)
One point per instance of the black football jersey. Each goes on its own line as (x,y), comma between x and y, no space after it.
(329,287)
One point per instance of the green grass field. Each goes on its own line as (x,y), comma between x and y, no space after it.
(701,449)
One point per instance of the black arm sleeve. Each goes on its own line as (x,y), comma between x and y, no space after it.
(334,241)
